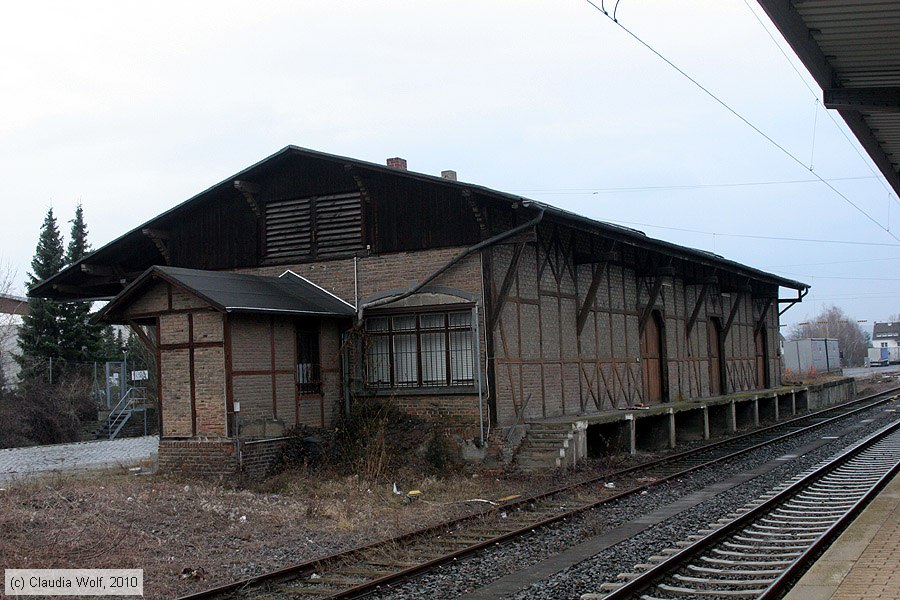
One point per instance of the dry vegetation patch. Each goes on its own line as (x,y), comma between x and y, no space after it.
(169,526)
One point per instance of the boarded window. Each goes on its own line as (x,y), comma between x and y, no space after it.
(424,350)
(315,226)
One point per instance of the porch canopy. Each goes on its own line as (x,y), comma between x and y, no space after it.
(289,294)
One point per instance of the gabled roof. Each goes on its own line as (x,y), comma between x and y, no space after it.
(852,50)
(133,243)
(229,292)
(886,330)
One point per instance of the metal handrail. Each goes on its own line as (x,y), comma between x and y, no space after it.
(123,407)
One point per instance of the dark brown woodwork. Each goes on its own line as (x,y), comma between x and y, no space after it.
(192,376)
(761,322)
(652,360)
(101,270)
(145,339)
(274,378)
(596,277)
(762,359)
(159,382)
(230,428)
(654,295)
(249,191)
(701,299)
(476,211)
(160,240)
(508,279)
(189,345)
(731,315)
(714,341)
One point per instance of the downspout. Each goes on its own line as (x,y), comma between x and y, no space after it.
(477,362)
(455,260)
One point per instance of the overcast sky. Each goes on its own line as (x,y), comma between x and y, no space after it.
(131,108)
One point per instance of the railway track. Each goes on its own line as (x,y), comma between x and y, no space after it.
(759,551)
(360,570)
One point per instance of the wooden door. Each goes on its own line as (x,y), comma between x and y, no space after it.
(652,360)
(762,360)
(714,331)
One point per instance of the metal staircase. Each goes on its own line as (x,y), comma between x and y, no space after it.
(133,401)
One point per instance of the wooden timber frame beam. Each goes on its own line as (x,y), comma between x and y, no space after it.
(508,278)
(701,300)
(792,301)
(159,238)
(476,211)
(661,272)
(734,308)
(249,191)
(142,335)
(599,269)
(761,321)
(366,199)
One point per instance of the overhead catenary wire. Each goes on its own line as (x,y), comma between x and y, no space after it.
(757,237)
(832,262)
(687,186)
(746,121)
(816,96)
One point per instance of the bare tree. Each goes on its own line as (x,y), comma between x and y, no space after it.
(833,323)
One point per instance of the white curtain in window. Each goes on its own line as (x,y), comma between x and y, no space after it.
(406,369)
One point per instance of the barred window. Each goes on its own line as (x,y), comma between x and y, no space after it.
(422,350)
(309,377)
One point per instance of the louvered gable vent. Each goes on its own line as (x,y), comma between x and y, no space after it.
(316,226)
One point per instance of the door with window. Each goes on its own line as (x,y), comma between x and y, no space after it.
(652,359)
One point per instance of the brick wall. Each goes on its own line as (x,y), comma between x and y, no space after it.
(209,458)
(219,458)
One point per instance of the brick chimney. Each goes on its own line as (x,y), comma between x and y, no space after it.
(451,175)
(397,163)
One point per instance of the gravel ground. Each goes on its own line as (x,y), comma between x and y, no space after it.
(462,577)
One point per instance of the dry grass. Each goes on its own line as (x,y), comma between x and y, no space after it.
(165,525)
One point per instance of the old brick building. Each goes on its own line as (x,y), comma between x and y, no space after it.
(309,282)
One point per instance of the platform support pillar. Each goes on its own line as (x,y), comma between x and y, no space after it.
(756,411)
(732,417)
(632,434)
(705,422)
(673,438)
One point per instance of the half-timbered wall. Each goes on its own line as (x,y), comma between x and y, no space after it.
(190,359)
(545,367)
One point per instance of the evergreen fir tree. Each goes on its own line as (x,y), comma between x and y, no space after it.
(110,347)
(40,336)
(81,339)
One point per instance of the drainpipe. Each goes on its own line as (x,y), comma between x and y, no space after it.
(477,363)
(456,259)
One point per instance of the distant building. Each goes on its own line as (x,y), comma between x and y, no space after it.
(12,308)
(886,335)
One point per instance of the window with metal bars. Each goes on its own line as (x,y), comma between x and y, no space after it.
(420,350)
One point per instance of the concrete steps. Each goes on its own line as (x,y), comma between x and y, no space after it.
(546,447)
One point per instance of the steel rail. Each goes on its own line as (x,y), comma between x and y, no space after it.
(300,570)
(675,562)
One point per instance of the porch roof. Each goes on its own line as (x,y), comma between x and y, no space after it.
(289,294)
